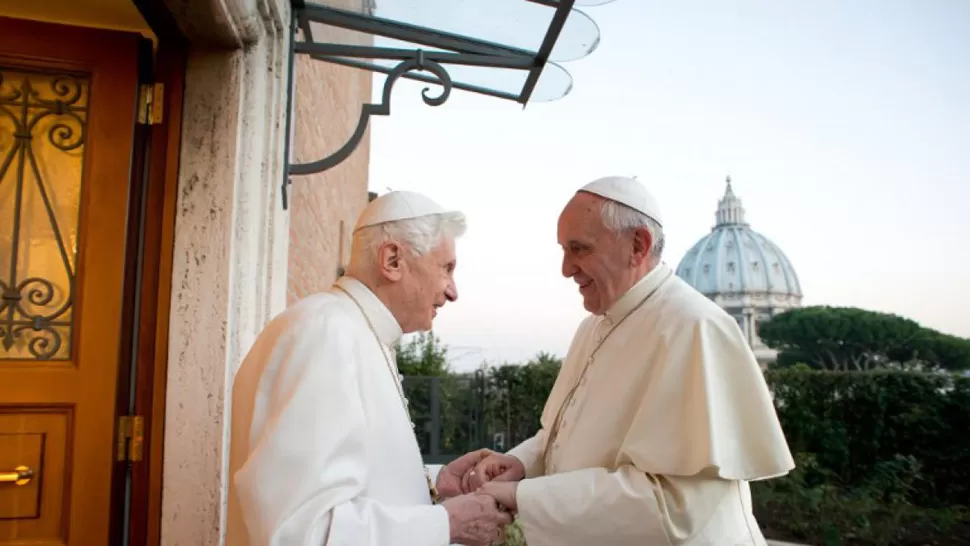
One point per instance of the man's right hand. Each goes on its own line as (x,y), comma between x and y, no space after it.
(495,467)
(476,519)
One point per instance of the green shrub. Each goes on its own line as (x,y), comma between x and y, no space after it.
(855,424)
(882,459)
(513,536)
(811,505)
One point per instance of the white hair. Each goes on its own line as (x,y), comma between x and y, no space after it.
(618,218)
(420,234)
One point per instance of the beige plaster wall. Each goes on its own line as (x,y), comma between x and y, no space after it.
(325,206)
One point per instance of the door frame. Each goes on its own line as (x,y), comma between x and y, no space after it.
(148,282)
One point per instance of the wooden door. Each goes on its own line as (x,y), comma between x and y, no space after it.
(67,112)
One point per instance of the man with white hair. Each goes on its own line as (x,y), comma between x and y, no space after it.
(323,451)
(660,415)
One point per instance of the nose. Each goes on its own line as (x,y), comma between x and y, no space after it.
(568,267)
(451,291)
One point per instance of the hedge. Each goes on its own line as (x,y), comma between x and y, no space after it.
(883,458)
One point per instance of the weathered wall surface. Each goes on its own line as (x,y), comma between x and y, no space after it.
(231,235)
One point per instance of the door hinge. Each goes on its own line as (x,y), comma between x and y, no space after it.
(131,438)
(150,103)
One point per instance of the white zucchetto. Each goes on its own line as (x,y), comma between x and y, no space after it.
(398,205)
(628,191)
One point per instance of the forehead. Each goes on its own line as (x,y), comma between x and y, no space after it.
(581,219)
(445,251)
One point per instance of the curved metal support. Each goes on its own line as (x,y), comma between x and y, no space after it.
(445,47)
(382,109)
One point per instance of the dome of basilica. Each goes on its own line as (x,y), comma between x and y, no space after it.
(742,271)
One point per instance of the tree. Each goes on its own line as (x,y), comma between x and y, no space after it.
(945,351)
(424,355)
(853,339)
(517,394)
(432,389)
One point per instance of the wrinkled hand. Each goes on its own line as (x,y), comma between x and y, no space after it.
(450,477)
(495,467)
(504,493)
(476,519)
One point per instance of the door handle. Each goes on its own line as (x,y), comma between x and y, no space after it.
(18,476)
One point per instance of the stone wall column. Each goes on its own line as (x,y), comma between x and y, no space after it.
(231,241)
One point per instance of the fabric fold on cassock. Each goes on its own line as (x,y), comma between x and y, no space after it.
(329,457)
(718,411)
(671,421)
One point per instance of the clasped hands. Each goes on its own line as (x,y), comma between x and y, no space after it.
(479,488)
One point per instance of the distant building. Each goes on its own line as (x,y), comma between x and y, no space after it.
(742,271)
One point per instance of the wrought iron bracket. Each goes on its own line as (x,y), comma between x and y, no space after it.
(383,108)
(418,64)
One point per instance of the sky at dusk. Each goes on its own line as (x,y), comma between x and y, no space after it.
(845,127)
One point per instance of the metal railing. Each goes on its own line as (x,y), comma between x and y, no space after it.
(456,414)
(448,413)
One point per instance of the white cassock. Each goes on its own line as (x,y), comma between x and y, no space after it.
(322,449)
(658,443)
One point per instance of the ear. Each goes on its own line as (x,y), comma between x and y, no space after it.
(642,241)
(390,260)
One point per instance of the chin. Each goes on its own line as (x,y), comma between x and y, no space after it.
(423,327)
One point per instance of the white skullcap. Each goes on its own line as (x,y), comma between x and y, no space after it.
(628,191)
(398,205)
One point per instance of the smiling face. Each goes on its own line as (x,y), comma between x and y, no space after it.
(604,264)
(426,283)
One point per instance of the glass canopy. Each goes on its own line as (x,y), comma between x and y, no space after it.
(505,48)
(509,49)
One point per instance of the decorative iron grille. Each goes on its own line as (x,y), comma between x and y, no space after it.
(43,125)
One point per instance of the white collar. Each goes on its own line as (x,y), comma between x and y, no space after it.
(647,284)
(388,330)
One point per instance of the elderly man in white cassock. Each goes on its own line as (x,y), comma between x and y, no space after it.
(323,451)
(660,415)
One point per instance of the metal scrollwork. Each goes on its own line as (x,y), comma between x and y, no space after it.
(418,63)
(34,311)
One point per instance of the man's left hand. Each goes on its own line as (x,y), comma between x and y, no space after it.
(450,477)
(504,493)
